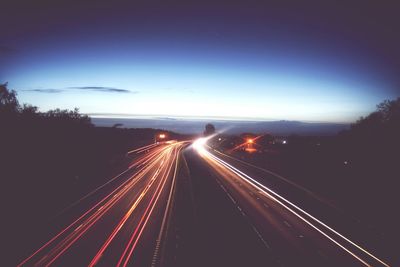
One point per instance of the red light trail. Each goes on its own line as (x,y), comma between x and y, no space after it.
(148,177)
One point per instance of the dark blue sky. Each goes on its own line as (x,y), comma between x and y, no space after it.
(283,60)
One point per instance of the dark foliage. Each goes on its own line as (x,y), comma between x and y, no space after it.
(9,105)
(209,130)
(374,140)
(384,122)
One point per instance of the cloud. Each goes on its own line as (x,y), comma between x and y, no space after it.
(49,91)
(102,89)
(84,88)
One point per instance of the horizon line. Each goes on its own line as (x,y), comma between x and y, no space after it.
(212,118)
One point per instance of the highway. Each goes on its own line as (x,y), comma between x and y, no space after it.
(288,234)
(182,204)
(130,208)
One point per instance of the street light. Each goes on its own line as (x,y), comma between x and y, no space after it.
(158,137)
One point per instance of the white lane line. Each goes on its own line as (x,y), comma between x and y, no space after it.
(226,191)
(287,224)
(223,188)
(241,211)
(260,236)
(229,195)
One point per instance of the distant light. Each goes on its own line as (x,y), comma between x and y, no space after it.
(162,136)
(251,150)
(284,142)
(219,139)
(346,162)
(199,144)
(250,141)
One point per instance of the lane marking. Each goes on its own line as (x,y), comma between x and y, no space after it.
(274,196)
(260,236)
(287,224)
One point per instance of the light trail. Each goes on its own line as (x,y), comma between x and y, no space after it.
(147,157)
(74,223)
(74,236)
(167,211)
(159,159)
(126,256)
(289,206)
(124,219)
(142,160)
(141,149)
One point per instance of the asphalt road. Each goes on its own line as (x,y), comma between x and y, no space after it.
(243,222)
(190,205)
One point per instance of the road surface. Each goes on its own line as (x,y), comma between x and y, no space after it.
(287,233)
(190,205)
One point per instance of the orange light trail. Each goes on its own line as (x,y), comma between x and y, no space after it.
(159,157)
(124,219)
(126,256)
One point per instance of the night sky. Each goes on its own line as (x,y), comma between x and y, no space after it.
(319,61)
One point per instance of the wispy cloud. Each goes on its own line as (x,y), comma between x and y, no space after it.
(102,89)
(49,91)
(84,88)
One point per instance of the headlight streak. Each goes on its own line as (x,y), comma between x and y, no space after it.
(123,221)
(147,158)
(167,211)
(127,216)
(141,149)
(70,240)
(281,200)
(143,160)
(126,256)
(82,224)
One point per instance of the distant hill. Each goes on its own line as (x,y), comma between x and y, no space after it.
(194,126)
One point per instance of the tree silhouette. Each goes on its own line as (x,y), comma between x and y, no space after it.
(67,116)
(210,129)
(8,100)
(11,111)
(384,122)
